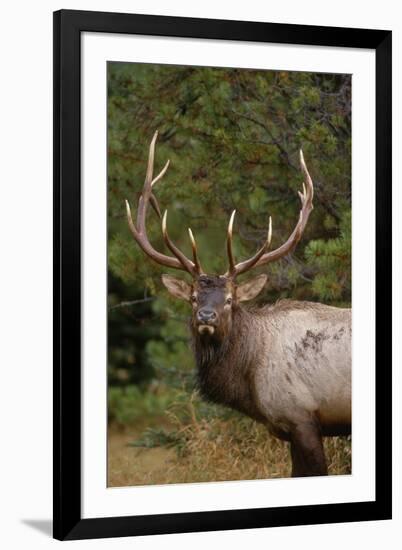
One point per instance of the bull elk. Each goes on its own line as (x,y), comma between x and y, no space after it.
(287,365)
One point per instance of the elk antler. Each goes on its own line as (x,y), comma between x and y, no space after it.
(180,261)
(262,256)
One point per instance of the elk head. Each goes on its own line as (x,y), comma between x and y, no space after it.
(213,297)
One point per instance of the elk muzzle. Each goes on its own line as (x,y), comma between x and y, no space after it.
(206,320)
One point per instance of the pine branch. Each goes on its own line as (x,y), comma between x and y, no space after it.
(132,303)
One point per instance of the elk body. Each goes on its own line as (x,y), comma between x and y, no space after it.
(286,365)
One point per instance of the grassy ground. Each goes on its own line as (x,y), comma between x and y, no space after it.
(200,450)
(129,466)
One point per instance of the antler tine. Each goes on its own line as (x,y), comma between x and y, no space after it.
(147,189)
(152,199)
(161,174)
(262,257)
(139,229)
(187,264)
(248,264)
(151,158)
(229,248)
(195,255)
(130,220)
(309,181)
(303,195)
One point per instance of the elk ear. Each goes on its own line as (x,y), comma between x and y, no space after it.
(177,287)
(249,290)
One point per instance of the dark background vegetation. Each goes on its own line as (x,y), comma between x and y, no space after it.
(232,136)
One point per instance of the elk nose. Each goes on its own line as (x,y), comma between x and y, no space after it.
(206,315)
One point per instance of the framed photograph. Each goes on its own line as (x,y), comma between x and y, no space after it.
(222,196)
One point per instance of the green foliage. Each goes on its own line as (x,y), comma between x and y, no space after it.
(331,261)
(130,403)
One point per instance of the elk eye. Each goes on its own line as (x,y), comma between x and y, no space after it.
(229,300)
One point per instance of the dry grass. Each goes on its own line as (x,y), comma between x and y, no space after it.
(200,450)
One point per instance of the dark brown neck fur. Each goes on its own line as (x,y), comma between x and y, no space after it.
(226,369)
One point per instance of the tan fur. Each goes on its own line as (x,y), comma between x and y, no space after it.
(305,366)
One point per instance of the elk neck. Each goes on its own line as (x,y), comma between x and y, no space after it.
(225,369)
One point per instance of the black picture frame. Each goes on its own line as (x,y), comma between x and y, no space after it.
(68,26)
